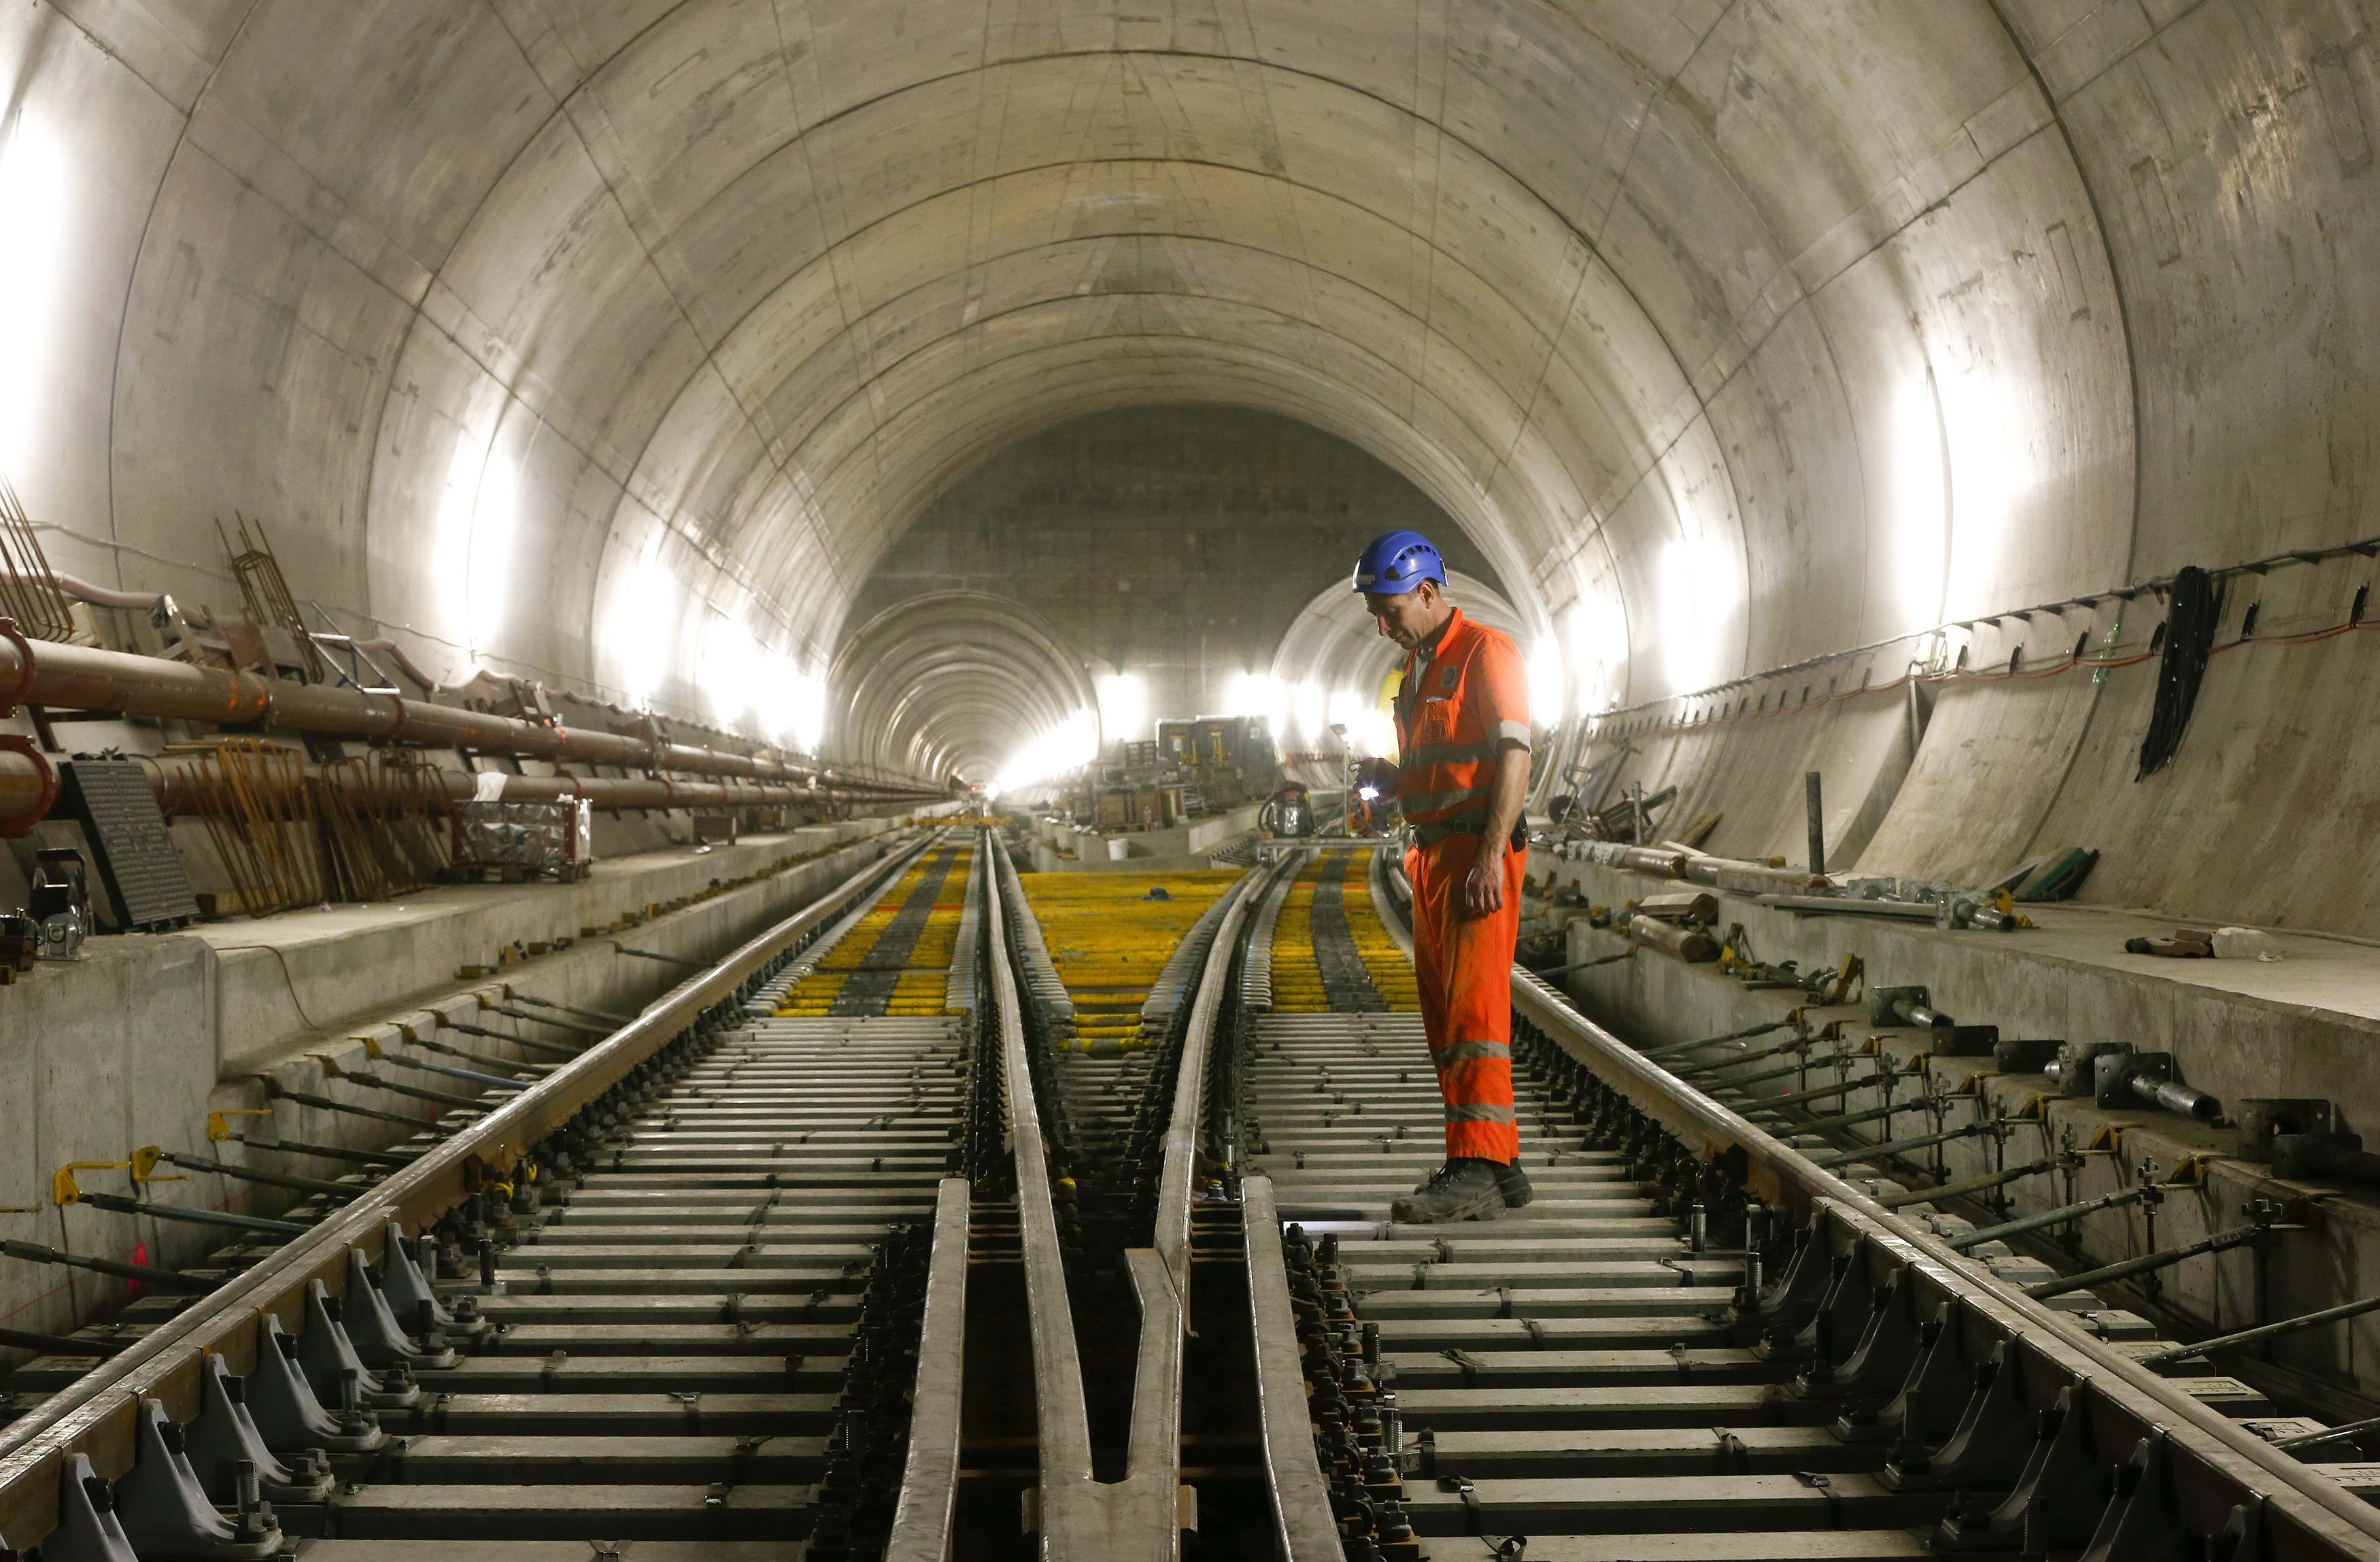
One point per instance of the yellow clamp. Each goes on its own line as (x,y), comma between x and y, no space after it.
(2106,1141)
(219,1124)
(2004,904)
(144,1166)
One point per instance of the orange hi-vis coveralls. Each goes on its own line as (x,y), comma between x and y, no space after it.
(1457,707)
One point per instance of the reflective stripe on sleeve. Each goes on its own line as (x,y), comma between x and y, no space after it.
(1480,1114)
(1512,731)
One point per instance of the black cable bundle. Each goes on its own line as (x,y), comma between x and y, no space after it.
(2191,608)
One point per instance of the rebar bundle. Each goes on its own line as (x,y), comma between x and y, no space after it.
(266,592)
(383,824)
(30,593)
(259,817)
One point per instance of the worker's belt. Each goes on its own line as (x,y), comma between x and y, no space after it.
(1429,835)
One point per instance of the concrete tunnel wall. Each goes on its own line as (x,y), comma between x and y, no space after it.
(619,342)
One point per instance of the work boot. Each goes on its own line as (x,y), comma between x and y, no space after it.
(1513,1183)
(1462,1189)
(1510,1182)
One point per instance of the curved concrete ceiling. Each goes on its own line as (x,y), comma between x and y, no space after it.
(950,683)
(578,337)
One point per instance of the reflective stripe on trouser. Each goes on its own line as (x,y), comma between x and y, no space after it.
(1462,967)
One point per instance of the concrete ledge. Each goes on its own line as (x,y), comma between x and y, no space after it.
(2236,1028)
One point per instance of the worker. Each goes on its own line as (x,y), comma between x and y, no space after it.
(1462,742)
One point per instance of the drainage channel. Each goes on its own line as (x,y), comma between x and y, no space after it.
(1693,1343)
(674,1295)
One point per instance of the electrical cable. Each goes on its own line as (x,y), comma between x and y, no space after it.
(286,980)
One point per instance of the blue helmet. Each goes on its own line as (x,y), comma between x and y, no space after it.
(1396,562)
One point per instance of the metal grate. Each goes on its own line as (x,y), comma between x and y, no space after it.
(129,844)
(29,593)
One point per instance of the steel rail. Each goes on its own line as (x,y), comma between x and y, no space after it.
(930,1476)
(97,1415)
(1145,1507)
(1304,1530)
(928,1504)
(1070,1510)
(2304,1513)
(1171,1237)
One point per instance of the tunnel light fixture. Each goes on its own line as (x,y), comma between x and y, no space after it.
(805,716)
(1596,630)
(1308,703)
(1123,707)
(639,622)
(450,545)
(792,703)
(1988,471)
(1547,685)
(746,679)
(34,193)
(495,524)
(1069,745)
(1258,695)
(1697,590)
(1920,497)
(733,670)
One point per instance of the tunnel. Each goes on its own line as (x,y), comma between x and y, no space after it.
(496,486)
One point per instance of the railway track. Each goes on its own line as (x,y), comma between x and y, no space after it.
(690,1290)
(1695,1341)
(976,1215)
